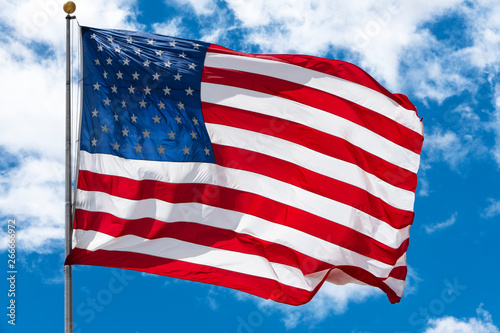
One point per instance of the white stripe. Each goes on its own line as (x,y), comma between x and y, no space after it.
(312,160)
(207,173)
(348,90)
(230,220)
(283,108)
(396,285)
(171,248)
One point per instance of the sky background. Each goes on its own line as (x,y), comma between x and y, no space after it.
(443,54)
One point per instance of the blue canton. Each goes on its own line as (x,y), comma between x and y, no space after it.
(141,96)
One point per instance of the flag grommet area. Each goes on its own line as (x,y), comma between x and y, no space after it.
(269,174)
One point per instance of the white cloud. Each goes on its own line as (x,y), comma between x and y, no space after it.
(171,28)
(390,39)
(33,194)
(445,145)
(201,7)
(492,210)
(481,324)
(495,126)
(411,282)
(441,225)
(32,63)
(330,299)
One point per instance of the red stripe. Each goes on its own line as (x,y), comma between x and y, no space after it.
(198,234)
(341,69)
(355,113)
(313,182)
(262,287)
(315,140)
(246,203)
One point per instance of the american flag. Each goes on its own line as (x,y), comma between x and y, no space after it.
(269,174)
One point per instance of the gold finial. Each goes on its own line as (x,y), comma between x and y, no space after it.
(69,7)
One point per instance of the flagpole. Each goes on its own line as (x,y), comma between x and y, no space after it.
(69,7)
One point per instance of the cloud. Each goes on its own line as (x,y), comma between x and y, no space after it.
(481,324)
(446,146)
(492,210)
(330,300)
(441,225)
(172,28)
(32,121)
(495,126)
(33,194)
(412,281)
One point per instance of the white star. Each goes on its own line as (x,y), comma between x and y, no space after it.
(119,75)
(207,151)
(130,90)
(125,131)
(192,66)
(106,101)
(196,46)
(136,75)
(159,53)
(138,148)
(114,89)
(134,118)
(173,43)
(181,106)
(161,105)
(182,55)
(161,150)
(96,86)
(93,36)
(156,119)
(124,104)
(126,61)
(193,135)
(138,51)
(167,90)
(105,74)
(186,150)
(105,128)
(110,39)
(156,76)
(129,40)
(94,142)
(116,116)
(151,42)
(177,77)
(195,121)
(95,112)
(147,91)
(97,62)
(178,119)
(146,63)
(143,104)
(168,64)
(109,61)
(189,91)
(118,49)
(171,135)
(99,48)
(146,133)
(116,146)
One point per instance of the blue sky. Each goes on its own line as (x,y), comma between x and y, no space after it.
(443,54)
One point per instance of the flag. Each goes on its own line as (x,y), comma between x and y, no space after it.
(269,174)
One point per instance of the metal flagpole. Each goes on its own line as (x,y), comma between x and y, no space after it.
(69,7)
